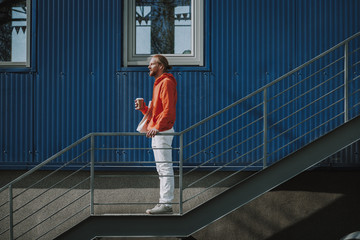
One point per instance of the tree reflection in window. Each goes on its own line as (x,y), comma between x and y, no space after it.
(13,30)
(163,27)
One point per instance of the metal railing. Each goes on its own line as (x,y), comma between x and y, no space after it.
(264,127)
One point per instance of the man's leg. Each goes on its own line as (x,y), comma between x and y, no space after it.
(164,166)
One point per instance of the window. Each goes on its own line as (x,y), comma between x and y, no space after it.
(14,33)
(172,28)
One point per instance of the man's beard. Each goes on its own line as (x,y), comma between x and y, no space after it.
(152,73)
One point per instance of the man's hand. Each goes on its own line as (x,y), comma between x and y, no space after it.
(136,104)
(139,103)
(152,132)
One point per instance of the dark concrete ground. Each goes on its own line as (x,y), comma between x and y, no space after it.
(317,204)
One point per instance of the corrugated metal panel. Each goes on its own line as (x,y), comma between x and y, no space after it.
(351,155)
(324,24)
(16,137)
(253,43)
(78,90)
(193,106)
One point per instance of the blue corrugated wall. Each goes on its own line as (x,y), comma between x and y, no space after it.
(77,86)
(16,138)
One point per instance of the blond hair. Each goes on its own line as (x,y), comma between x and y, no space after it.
(163,61)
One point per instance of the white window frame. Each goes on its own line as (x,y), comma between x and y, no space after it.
(196,58)
(28,39)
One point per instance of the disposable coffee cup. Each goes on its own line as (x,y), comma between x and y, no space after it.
(140,103)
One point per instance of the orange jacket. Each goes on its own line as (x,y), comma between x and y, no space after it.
(163,103)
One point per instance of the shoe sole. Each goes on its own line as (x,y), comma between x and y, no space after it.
(149,212)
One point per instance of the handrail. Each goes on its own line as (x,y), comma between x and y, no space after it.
(58,154)
(270,84)
(46,161)
(131,134)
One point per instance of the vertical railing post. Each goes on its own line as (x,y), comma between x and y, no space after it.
(265,147)
(181,173)
(11,210)
(346,82)
(92,174)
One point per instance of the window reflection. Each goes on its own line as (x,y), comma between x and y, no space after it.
(13,31)
(163,27)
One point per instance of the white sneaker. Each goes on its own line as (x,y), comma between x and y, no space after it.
(160,209)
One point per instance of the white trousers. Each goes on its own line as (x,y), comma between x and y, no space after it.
(164,166)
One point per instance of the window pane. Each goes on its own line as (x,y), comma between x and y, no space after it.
(163,27)
(13,31)
(183,30)
(143,29)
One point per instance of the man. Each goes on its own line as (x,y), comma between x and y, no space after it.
(163,118)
